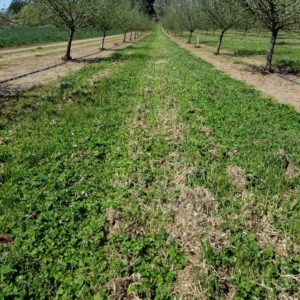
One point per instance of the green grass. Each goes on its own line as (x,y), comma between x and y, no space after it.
(20,36)
(287,51)
(91,166)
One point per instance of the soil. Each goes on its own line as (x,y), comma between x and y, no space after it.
(18,61)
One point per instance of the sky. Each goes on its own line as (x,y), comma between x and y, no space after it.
(4,3)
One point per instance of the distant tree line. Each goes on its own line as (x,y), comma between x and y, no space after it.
(17,5)
(223,15)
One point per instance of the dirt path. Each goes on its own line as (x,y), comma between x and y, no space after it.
(44,51)
(16,62)
(271,85)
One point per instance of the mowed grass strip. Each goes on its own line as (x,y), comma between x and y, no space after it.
(162,177)
(19,36)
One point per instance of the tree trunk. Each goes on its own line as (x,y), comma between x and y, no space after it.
(220,42)
(124,40)
(190,37)
(131,36)
(68,53)
(103,40)
(271,50)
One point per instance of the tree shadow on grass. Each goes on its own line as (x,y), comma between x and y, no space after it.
(292,72)
(249,52)
(288,43)
(115,57)
(288,66)
(10,91)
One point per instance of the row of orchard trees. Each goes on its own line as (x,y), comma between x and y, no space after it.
(223,15)
(101,15)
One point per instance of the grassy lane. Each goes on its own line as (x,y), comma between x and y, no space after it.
(149,175)
(63,149)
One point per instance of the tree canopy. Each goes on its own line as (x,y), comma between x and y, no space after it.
(17,5)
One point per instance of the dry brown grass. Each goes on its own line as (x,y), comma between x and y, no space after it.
(118,287)
(292,171)
(185,284)
(162,62)
(236,176)
(206,131)
(114,222)
(193,214)
(266,234)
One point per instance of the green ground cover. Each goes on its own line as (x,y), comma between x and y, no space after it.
(20,36)
(144,170)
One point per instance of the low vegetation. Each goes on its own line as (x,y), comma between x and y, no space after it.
(24,35)
(149,175)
